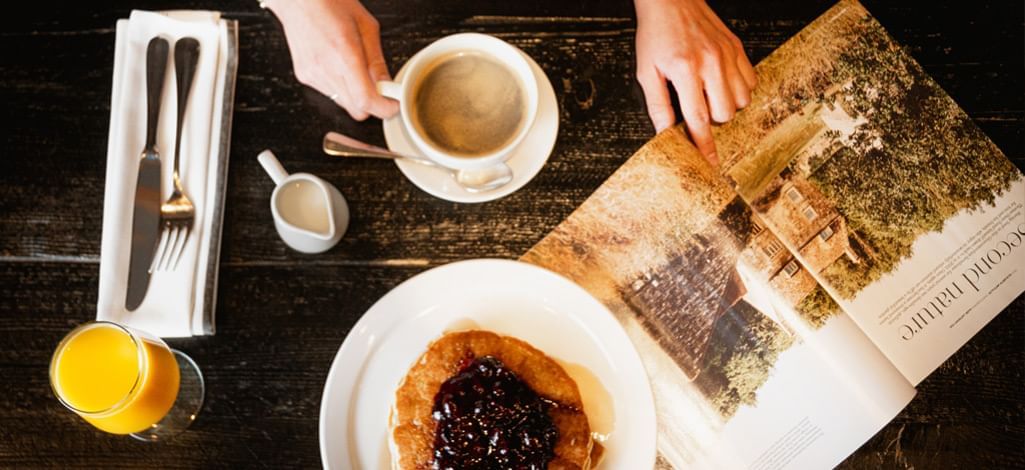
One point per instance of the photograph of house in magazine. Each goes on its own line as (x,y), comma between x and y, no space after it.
(859,230)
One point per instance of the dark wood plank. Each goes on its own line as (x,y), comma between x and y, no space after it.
(947,446)
(586,58)
(264,370)
(280,327)
(969,413)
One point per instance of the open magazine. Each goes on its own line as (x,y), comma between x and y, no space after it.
(859,230)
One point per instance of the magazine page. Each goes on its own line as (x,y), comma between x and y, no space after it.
(742,378)
(883,188)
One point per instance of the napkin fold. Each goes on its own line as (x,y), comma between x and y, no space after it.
(178,303)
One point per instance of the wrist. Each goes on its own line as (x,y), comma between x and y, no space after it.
(267,5)
(657,5)
(275,6)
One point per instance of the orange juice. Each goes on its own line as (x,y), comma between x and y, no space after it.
(116,379)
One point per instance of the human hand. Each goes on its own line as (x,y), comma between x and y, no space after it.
(336,50)
(684,42)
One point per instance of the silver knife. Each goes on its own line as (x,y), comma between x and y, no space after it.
(146,217)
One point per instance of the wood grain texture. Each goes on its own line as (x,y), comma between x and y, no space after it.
(278,331)
(282,315)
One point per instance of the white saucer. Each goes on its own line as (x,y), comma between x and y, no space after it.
(507,297)
(525,161)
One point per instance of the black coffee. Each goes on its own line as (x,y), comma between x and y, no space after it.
(468,105)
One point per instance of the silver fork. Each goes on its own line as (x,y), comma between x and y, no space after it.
(178,213)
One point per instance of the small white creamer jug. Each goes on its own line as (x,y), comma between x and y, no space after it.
(310,214)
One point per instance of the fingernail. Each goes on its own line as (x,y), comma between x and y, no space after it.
(713,158)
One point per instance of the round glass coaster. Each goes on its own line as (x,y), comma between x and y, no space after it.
(186,406)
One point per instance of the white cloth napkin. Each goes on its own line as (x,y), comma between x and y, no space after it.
(174,300)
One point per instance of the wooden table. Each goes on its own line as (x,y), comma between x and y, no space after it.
(281,316)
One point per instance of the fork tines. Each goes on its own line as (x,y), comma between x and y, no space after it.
(172,244)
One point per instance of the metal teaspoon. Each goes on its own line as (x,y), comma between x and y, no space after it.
(474,181)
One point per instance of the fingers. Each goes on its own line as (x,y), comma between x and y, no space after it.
(738,86)
(705,62)
(717,87)
(695,112)
(345,73)
(656,96)
(743,65)
(311,73)
(350,67)
(746,70)
(336,50)
(376,66)
(370,33)
(336,88)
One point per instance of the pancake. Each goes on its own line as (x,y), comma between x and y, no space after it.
(451,358)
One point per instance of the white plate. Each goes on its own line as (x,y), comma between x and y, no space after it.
(507,297)
(526,160)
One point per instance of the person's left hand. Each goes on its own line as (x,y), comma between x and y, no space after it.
(684,42)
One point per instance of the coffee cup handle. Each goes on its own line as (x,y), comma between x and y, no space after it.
(390,89)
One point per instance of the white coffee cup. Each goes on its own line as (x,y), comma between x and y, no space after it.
(310,214)
(490,46)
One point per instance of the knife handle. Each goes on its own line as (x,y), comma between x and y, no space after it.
(156,67)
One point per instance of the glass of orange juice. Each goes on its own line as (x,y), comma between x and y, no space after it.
(125,381)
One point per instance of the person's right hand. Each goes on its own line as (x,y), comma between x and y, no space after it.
(336,50)
(685,43)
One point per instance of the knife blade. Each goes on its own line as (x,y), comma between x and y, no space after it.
(146,215)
